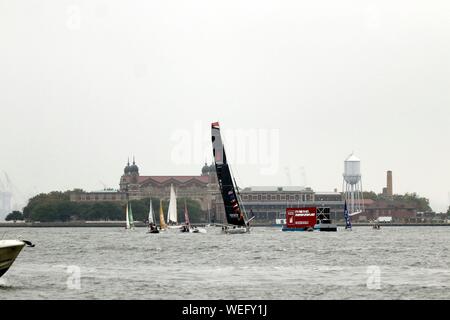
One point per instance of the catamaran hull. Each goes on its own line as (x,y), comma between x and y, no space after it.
(9,250)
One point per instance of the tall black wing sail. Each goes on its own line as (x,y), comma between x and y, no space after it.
(233,211)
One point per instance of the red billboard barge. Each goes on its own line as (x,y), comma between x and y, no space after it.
(308,219)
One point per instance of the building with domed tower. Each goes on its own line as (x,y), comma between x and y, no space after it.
(129,181)
(133,186)
(197,187)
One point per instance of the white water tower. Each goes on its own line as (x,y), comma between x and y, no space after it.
(352,185)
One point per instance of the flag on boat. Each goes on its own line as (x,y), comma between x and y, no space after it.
(348,224)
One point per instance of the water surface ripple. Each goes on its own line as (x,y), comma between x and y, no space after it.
(414,263)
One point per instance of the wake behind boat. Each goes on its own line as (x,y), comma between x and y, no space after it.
(9,250)
(236,216)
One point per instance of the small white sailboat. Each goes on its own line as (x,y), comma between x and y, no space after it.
(187,224)
(9,250)
(152,228)
(129,217)
(151,218)
(172,212)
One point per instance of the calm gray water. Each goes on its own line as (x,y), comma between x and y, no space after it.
(391,263)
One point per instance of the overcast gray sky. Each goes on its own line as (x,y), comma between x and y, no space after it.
(85,84)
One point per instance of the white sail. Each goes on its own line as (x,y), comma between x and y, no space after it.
(172,212)
(127,218)
(151,218)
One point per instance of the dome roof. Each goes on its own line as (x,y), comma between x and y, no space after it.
(129,169)
(208,169)
(134,168)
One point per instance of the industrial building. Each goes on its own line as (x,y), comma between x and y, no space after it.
(269,203)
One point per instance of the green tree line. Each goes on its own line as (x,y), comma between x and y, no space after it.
(14,216)
(56,206)
(408,199)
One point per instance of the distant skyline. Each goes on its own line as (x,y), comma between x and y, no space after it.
(85,85)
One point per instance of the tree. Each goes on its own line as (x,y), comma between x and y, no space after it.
(44,198)
(408,199)
(412,199)
(56,206)
(102,211)
(14,216)
(370,195)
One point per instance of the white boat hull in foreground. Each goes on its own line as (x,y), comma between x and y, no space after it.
(9,250)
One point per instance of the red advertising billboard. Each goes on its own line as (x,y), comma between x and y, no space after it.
(301,217)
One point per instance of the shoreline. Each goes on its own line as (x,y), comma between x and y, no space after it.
(120,224)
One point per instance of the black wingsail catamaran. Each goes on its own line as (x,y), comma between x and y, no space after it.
(236,216)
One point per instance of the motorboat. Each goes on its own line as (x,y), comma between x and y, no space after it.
(9,250)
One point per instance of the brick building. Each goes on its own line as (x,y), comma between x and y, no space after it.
(133,186)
